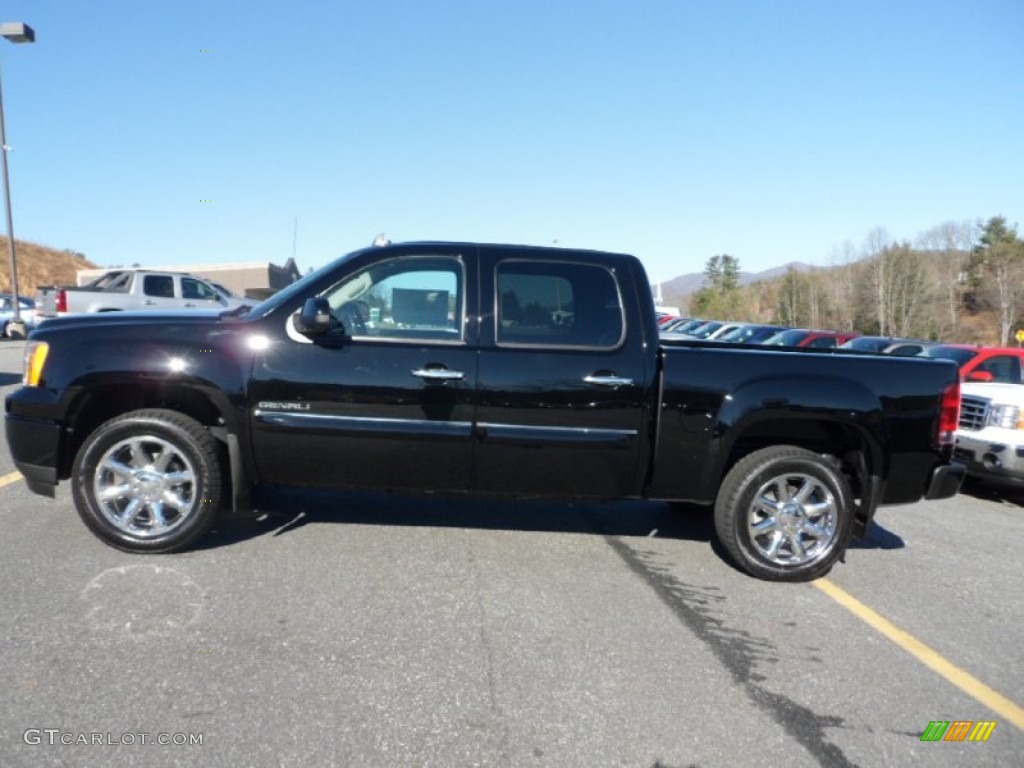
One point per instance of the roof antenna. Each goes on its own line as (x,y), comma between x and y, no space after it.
(381,240)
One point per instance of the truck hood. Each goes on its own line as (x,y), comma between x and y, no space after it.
(1003,393)
(157,317)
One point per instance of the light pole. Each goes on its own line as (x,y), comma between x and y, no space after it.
(16,32)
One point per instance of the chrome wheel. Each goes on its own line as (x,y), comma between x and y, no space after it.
(145,486)
(793,519)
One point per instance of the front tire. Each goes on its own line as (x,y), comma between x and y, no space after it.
(784,513)
(148,481)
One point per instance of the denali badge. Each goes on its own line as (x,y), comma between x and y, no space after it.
(274,405)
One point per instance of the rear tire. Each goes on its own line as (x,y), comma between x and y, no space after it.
(148,481)
(784,513)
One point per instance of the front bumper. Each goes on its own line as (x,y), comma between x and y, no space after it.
(992,459)
(34,447)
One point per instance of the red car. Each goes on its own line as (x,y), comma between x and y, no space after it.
(803,337)
(1002,364)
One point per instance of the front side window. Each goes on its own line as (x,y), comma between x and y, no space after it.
(557,304)
(414,298)
(788,338)
(822,342)
(1003,368)
(196,289)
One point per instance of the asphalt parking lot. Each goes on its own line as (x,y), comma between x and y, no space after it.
(376,630)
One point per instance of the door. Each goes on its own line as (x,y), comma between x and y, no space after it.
(199,294)
(385,400)
(562,383)
(158,292)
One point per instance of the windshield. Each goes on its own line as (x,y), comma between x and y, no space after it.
(706,330)
(788,338)
(749,334)
(956,354)
(867,344)
(685,326)
(298,287)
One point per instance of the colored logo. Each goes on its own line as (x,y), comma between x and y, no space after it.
(958,730)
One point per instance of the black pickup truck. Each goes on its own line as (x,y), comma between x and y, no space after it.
(489,369)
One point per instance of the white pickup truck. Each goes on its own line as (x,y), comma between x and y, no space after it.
(990,437)
(135,289)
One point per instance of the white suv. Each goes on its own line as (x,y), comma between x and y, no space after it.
(990,437)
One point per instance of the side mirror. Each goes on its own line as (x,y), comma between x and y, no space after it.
(980,376)
(314,319)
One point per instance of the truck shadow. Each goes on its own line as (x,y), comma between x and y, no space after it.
(997,493)
(281,510)
(878,537)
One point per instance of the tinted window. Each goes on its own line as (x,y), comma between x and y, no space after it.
(750,334)
(868,344)
(558,304)
(905,350)
(957,355)
(822,341)
(688,326)
(705,330)
(415,297)
(787,338)
(158,285)
(112,282)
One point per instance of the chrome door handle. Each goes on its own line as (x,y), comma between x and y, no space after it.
(607,381)
(149,302)
(439,374)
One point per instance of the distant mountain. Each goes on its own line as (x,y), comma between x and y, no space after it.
(684,285)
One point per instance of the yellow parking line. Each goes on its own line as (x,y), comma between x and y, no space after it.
(10,477)
(927,656)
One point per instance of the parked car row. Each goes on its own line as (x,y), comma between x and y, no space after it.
(976,363)
(990,434)
(751,333)
(27,311)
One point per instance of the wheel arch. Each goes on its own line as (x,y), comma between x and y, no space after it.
(820,413)
(855,448)
(91,406)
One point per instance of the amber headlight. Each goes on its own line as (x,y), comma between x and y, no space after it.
(35,359)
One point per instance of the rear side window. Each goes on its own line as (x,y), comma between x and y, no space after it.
(158,285)
(557,304)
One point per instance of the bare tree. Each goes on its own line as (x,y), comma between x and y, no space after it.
(908,290)
(949,245)
(881,279)
(842,285)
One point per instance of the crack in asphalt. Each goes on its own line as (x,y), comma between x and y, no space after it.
(739,652)
(504,738)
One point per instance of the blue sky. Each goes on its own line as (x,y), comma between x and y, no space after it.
(773,131)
